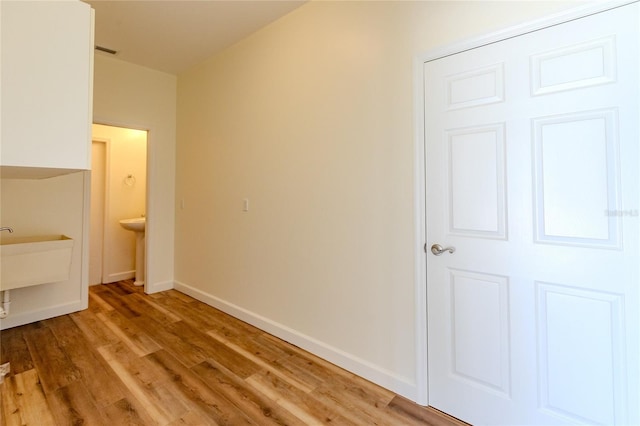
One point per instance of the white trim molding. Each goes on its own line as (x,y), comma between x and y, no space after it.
(86,220)
(149,200)
(15,320)
(159,286)
(421,338)
(118,276)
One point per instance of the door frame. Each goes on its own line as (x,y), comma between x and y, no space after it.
(105,199)
(420,248)
(149,193)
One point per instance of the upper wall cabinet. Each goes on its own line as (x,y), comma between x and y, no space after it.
(47,84)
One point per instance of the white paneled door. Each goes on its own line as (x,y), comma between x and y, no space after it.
(533,177)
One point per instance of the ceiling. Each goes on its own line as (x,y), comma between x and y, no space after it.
(173,35)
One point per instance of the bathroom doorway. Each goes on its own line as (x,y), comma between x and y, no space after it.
(118,191)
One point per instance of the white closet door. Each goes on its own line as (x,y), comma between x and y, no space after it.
(533,173)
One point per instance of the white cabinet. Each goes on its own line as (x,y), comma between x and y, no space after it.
(47,84)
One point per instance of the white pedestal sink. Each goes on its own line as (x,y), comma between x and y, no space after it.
(137,225)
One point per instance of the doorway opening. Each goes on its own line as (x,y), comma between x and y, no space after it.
(118,192)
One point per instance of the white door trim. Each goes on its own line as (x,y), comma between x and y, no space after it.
(420,262)
(150,196)
(105,212)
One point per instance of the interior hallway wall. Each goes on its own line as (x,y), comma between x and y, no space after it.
(129,95)
(311,120)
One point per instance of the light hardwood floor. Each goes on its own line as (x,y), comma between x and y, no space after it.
(168,359)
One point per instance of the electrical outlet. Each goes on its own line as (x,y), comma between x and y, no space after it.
(4,370)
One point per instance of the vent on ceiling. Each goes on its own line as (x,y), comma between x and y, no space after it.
(106,50)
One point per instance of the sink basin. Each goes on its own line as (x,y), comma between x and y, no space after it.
(27,261)
(137,224)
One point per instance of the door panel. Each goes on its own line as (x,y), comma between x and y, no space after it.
(586,187)
(533,176)
(574,66)
(480,330)
(476,181)
(581,368)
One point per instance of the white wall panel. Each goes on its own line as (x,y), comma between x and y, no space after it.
(133,96)
(311,119)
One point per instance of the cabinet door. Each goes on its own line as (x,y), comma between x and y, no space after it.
(47,61)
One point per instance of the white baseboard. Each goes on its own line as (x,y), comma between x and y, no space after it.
(157,287)
(354,364)
(22,318)
(118,276)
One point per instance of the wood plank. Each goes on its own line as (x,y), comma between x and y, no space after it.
(24,401)
(170,338)
(233,326)
(292,379)
(319,373)
(305,370)
(122,288)
(184,311)
(426,415)
(168,315)
(201,397)
(192,347)
(207,317)
(117,302)
(54,367)
(359,400)
(14,349)
(136,303)
(93,328)
(178,295)
(72,405)
(355,401)
(299,403)
(192,419)
(133,304)
(136,366)
(253,403)
(127,412)
(253,343)
(352,384)
(2,399)
(97,304)
(129,333)
(306,355)
(140,379)
(97,377)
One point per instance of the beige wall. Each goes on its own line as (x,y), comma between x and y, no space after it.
(132,96)
(311,120)
(126,155)
(38,207)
